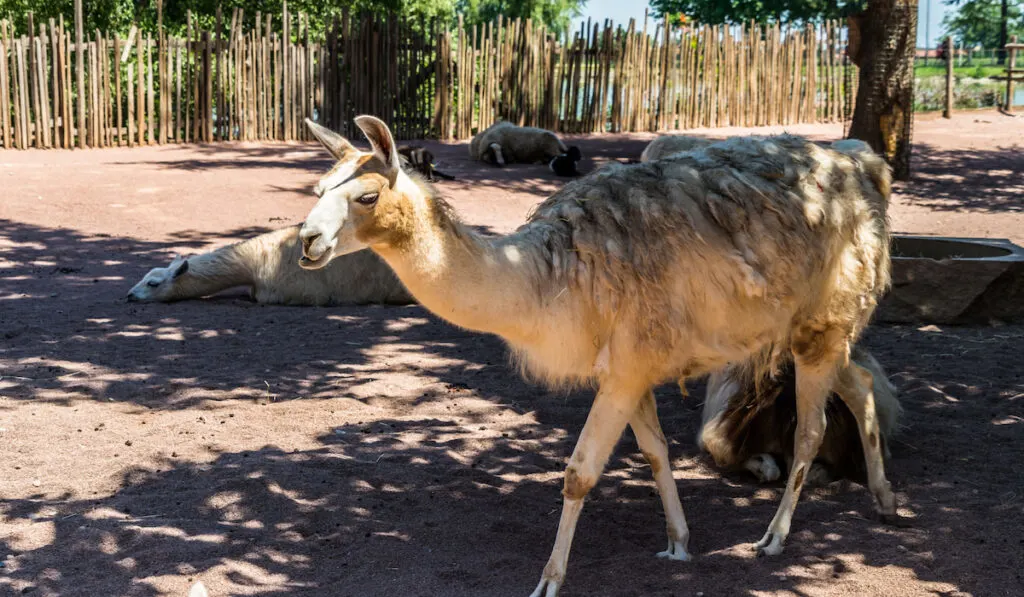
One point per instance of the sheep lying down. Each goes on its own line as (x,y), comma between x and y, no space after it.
(269,265)
(751,426)
(667,145)
(505,143)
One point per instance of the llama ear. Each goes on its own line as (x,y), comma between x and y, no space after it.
(181,269)
(380,138)
(334,143)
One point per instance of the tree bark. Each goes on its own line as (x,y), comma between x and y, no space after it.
(882,43)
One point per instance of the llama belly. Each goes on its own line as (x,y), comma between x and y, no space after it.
(557,359)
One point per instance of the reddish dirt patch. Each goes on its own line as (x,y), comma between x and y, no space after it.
(379,451)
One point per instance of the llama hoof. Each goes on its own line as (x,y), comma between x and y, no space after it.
(676,551)
(547,587)
(764,468)
(818,475)
(894,520)
(769,545)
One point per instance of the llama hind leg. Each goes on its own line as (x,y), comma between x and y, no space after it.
(814,377)
(855,387)
(612,409)
(651,439)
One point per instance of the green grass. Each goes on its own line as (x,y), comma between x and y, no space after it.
(976,72)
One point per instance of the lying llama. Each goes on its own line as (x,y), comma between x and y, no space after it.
(636,274)
(268,265)
(505,143)
(421,159)
(666,145)
(748,423)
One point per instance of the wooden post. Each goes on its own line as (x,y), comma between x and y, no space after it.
(1011,62)
(948,112)
(140,90)
(80,74)
(5,111)
(161,65)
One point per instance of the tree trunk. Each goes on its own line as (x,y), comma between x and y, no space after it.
(882,43)
(1003,24)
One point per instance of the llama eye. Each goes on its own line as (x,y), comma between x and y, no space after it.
(368,199)
(152,283)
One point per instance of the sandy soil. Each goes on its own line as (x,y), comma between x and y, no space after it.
(379,451)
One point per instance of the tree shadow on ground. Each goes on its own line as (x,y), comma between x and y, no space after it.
(454,504)
(981,180)
(242,156)
(425,506)
(70,335)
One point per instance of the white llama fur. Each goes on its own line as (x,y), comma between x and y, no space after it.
(505,143)
(198,590)
(268,265)
(746,423)
(748,249)
(666,145)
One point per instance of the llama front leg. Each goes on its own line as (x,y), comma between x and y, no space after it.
(856,388)
(612,409)
(651,440)
(813,384)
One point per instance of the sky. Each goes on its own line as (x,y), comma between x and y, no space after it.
(621,11)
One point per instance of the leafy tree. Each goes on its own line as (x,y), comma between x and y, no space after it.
(741,11)
(118,15)
(981,22)
(556,14)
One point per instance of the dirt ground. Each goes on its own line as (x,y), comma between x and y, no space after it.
(378,451)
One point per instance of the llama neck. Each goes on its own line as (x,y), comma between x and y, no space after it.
(472,281)
(218,270)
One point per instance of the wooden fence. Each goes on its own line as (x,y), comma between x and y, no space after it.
(609,79)
(63,88)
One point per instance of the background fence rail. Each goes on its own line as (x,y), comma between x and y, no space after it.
(243,80)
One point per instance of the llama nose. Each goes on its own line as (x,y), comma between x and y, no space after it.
(307,241)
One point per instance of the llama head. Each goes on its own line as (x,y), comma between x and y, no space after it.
(160,283)
(565,164)
(363,201)
(493,155)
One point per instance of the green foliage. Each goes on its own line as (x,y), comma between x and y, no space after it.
(118,15)
(714,12)
(556,14)
(976,22)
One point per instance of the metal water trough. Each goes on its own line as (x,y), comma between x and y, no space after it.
(950,280)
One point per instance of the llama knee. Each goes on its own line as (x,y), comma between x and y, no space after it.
(814,347)
(578,482)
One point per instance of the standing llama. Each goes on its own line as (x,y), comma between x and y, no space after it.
(748,423)
(636,274)
(268,265)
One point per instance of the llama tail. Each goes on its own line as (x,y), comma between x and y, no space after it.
(873,165)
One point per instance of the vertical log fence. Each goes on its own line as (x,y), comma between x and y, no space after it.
(63,87)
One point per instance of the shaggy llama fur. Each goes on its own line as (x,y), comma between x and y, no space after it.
(749,424)
(268,265)
(666,145)
(748,249)
(505,143)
